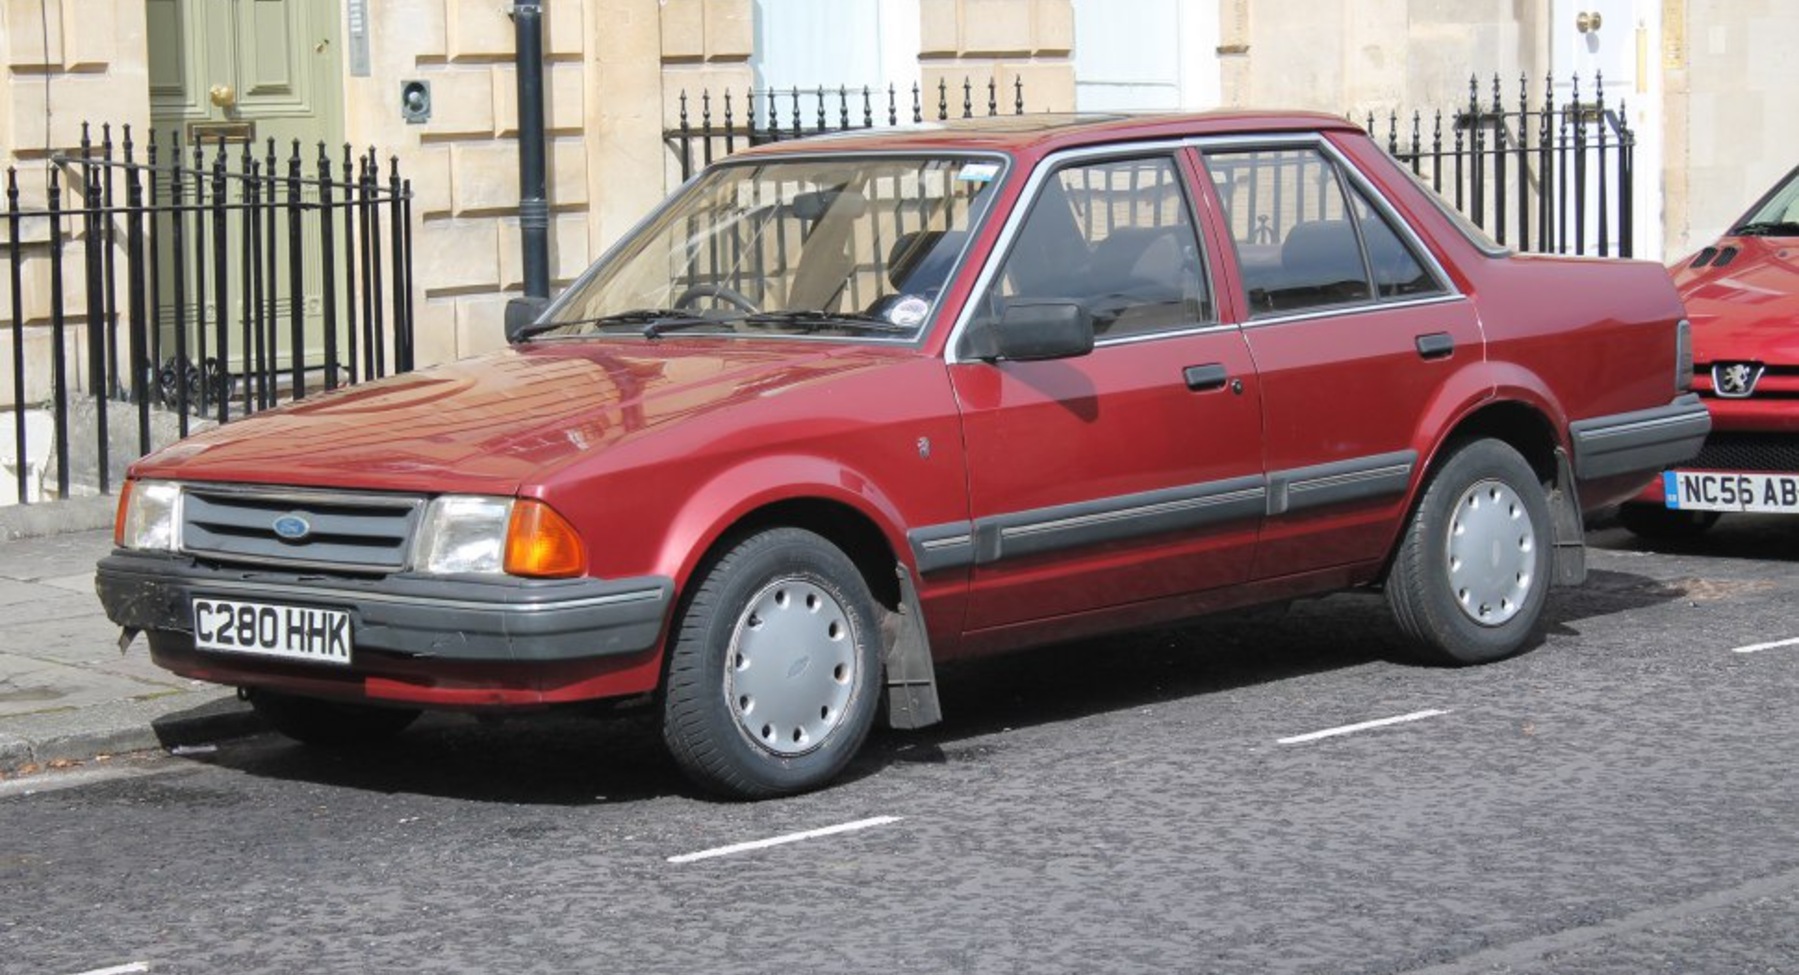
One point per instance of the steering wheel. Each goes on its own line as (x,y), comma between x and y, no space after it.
(719,291)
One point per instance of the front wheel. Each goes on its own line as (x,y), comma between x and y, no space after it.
(330,724)
(774,670)
(1471,574)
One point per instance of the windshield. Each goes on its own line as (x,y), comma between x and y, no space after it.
(1777,215)
(833,247)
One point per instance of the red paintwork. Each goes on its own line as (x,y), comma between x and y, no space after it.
(1747,310)
(654,450)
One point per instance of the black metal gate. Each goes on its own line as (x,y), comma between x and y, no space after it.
(193,265)
(1550,178)
(772,115)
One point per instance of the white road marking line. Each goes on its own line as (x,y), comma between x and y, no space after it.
(1363,726)
(779,840)
(1756,647)
(136,966)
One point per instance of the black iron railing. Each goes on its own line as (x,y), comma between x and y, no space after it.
(726,124)
(218,281)
(1552,178)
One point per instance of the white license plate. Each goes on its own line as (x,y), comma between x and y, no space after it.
(294,632)
(1728,491)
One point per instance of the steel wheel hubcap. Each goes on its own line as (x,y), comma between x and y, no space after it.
(1492,550)
(791,667)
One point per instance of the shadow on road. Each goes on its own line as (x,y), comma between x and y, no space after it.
(1773,538)
(570,758)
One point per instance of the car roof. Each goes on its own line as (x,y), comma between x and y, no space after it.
(1043,132)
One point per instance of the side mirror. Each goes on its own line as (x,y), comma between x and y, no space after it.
(521,314)
(1033,330)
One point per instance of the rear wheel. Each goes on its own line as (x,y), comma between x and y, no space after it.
(1471,574)
(331,724)
(1655,521)
(774,672)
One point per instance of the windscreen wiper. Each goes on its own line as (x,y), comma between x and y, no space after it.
(1767,228)
(654,321)
(811,320)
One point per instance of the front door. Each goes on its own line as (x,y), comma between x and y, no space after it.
(237,72)
(1132,472)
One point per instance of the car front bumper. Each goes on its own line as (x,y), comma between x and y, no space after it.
(512,621)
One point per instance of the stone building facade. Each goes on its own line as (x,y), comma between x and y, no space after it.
(1703,80)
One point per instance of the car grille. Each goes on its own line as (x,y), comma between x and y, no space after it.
(347,532)
(1747,452)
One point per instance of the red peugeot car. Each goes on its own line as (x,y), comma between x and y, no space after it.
(845,408)
(1742,296)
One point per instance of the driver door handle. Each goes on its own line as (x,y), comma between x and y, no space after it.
(1205,378)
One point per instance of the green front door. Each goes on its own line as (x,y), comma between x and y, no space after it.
(242,71)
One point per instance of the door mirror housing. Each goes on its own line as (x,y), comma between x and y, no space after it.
(1034,330)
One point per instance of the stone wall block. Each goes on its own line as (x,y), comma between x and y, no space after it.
(730,30)
(1052,27)
(28,23)
(481,324)
(430,172)
(939,28)
(90,43)
(434,331)
(457,255)
(567,176)
(563,36)
(462,102)
(564,99)
(480,30)
(997,27)
(484,178)
(683,30)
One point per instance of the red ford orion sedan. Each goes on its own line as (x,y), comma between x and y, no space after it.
(1742,295)
(846,408)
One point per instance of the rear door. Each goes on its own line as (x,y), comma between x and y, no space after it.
(1354,330)
(1132,472)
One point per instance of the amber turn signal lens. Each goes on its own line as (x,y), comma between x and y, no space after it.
(541,543)
(118,518)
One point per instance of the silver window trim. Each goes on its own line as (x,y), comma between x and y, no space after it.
(1002,245)
(1007,162)
(1375,198)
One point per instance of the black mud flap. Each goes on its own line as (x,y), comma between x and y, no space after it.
(1568,562)
(911,677)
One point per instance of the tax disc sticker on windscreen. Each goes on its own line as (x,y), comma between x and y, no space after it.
(909,311)
(978,172)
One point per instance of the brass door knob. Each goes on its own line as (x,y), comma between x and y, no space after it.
(223,96)
(1588,21)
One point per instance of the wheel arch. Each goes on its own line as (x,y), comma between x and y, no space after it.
(1523,425)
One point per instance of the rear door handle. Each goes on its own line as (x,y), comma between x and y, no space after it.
(1204,378)
(1436,345)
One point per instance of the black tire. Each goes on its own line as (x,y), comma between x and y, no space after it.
(1665,524)
(1471,574)
(774,669)
(330,724)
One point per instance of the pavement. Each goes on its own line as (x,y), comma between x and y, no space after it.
(67,693)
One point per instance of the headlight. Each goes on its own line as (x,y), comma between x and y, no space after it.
(467,533)
(149,516)
(463,533)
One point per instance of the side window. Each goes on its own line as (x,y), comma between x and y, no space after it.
(1116,237)
(1304,238)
